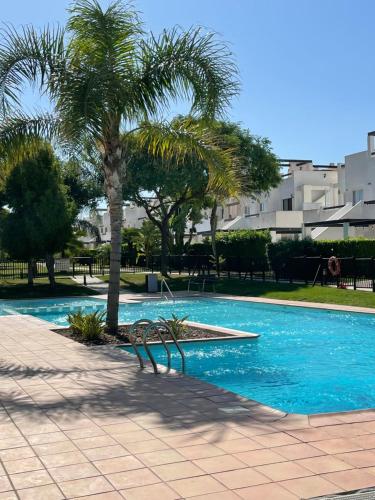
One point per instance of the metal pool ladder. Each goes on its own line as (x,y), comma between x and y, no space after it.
(164,283)
(158,326)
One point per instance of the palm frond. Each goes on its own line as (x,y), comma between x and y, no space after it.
(21,134)
(188,64)
(28,55)
(186,140)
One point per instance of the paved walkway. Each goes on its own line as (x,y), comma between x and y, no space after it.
(78,422)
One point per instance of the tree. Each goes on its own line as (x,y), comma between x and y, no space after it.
(40,219)
(162,188)
(258,165)
(104,76)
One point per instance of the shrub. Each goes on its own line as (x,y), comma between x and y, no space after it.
(89,326)
(279,252)
(176,324)
(245,244)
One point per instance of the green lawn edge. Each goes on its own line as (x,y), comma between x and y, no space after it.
(283,291)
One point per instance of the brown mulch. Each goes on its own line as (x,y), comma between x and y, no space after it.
(122,336)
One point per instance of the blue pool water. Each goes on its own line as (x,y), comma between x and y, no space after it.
(305,361)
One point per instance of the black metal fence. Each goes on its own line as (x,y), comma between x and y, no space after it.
(354,272)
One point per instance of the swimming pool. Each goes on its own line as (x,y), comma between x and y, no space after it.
(305,361)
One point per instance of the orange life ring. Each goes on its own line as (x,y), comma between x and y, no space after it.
(334,266)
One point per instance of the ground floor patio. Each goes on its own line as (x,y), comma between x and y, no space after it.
(79,422)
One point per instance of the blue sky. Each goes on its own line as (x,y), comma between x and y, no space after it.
(306,66)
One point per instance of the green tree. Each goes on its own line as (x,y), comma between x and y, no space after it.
(259,169)
(148,240)
(103,76)
(40,219)
(162,188)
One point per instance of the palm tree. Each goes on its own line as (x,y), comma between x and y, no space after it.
(104,77)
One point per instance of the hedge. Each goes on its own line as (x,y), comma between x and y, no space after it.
(243,244)
(280,251)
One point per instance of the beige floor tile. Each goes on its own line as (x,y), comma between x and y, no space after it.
(324,464)
(161,491)
(8,495)
(121,428)
(297,451)
(147,446)
(310,487)
(118,464)
(133,478)
(23,465)
(105,452)
(223,495)
(200,451)
(179,470)
(16,453)
(238,445)
(219,464)
(132,437)
(270,491)
(5,484)
(89,486)
(71,472)
(185,440)
(241,478)
(339,445)
(366,442)
(161,457)
(54,448)
(60,459)
(31,479)
(311,434)
(259,457)
(52,437)
(94,442)
(351,480)
(195,486)
(283,470)
(275,439)
(362,458)
(110,495)
(49,491)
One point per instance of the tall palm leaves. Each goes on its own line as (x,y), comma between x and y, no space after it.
(104,76)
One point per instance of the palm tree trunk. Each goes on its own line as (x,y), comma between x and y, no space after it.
(114,194)
(30,272)
(164,231)
(213,224)
(50,263)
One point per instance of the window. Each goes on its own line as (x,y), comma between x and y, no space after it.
(247,210)
(261,207)
(357,196)
(287,204)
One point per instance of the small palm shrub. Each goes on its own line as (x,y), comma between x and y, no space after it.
(89,326)
(76,321)
(177,325)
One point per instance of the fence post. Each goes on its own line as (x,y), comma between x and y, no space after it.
(372,274)
(74,263)
(355,273)
(305,269)
(90,269)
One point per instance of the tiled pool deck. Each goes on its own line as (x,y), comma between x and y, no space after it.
(78,422)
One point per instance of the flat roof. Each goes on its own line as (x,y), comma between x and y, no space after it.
(341,222)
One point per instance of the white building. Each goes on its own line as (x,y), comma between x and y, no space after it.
(339,194)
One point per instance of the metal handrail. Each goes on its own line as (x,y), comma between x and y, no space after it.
(163,282)
(133,343)
(159,326)
(163,325)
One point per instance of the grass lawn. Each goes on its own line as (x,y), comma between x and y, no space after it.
(284,291)
(18,289)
